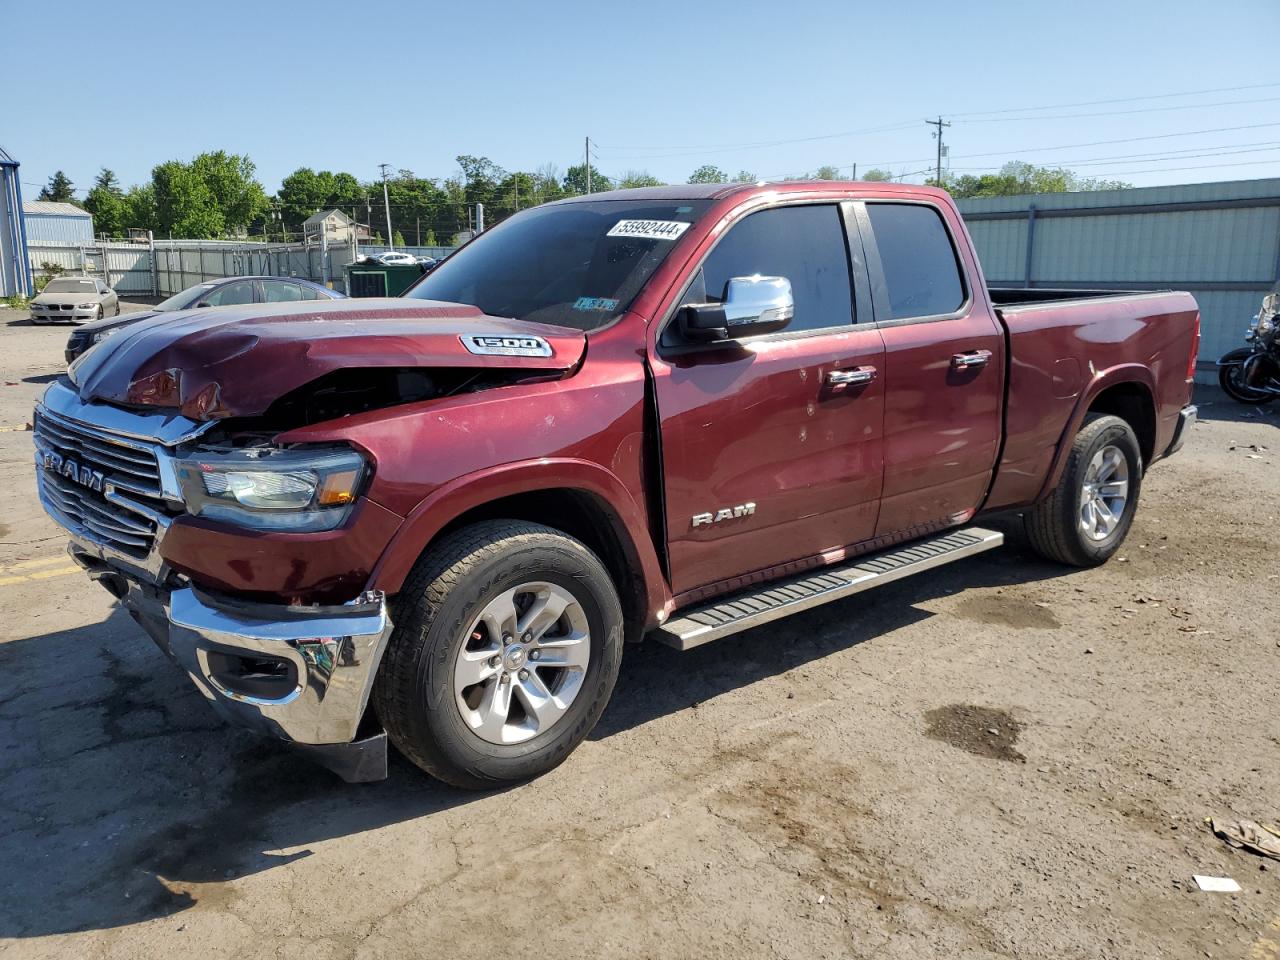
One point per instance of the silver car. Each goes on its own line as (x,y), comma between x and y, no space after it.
(76,299)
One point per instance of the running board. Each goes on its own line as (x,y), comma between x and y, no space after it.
(781,598)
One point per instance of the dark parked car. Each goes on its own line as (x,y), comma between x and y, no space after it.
(226,292)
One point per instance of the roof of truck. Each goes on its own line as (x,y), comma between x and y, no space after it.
(718,191)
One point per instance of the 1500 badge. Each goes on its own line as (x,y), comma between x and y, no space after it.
(724,513)
(507,346)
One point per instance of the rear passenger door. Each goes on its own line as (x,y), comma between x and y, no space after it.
(943,369)
(769,455)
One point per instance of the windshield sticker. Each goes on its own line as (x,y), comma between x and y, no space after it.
(595,303)
(648,229)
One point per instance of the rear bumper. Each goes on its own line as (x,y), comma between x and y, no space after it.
(1186,417)
(300,674)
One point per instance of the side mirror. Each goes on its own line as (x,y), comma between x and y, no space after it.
(752,306)
(202,303)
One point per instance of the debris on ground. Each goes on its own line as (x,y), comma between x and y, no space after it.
(1247,835)
(1216,884)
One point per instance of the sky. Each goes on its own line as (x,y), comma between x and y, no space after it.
(1136,90)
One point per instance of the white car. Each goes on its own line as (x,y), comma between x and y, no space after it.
(394,258)
(74,299)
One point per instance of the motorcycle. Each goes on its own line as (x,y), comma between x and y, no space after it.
(1252,374)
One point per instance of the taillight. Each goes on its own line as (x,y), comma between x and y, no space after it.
(1195,348)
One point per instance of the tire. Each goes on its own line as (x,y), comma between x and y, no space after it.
(1230,378)
(417,693)
(1057,527)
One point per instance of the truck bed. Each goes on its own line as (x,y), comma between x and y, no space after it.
(1020,296)
(1064,348)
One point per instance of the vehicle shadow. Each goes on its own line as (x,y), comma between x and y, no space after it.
(1214,405)
(657,680)
(129,801)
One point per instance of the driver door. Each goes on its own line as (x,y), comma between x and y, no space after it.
(766,435)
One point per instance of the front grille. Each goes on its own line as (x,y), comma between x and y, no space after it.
(105,487)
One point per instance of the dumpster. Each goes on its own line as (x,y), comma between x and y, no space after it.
(380,279)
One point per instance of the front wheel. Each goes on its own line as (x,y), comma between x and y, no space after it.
(1085,519)
(1231,379)
(505,654)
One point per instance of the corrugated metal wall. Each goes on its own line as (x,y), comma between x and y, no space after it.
(15,278)
(55,228)
(1221,241)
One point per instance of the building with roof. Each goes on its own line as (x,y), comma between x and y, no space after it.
(60,223)
(334,226)
(15,268)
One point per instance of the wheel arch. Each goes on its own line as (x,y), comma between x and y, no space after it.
(1128,392)
(579,498)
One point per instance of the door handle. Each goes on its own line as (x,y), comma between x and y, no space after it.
(847,378)
(971,359)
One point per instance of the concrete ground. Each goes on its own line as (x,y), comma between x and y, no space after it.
(1002,759)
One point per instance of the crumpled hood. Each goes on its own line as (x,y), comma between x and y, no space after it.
(236,361)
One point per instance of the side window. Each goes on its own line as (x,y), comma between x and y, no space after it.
(311,293)
(919,262)
(279,291)
(806,245)
(239,292)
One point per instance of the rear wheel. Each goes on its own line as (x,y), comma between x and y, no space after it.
(1086,518)
(506,651)
(1231,379)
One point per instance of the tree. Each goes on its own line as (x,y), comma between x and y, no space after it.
(239,198)
(1019,177)
(876,175)
(827,172)
(185,206)
(306,191)
(397,239)
(639,178)
(106,202)
(708,173)
(140,208)
(575,180)
(58,189)
(744,176)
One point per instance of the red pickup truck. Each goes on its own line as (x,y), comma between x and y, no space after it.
(676,412)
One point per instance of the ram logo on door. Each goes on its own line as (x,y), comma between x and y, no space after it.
(724,513)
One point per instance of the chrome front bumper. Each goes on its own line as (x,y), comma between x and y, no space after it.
(299,674)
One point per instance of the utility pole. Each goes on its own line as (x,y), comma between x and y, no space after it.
(938,135)
(387,203)
(586,156)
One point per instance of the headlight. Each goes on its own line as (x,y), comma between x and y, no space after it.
(299,490)
(85,306)
(103,334)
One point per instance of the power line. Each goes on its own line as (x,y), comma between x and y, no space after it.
(1095,103)
(693,149)
(1118,113)
(1092,143)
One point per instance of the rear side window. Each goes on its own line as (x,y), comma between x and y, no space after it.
(806,245)
(233,293)
(918,259)
(278,292)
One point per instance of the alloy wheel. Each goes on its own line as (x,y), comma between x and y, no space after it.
(523,663)
(1104,493)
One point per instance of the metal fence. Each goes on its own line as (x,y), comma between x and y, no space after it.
(163,267)
(1220,241)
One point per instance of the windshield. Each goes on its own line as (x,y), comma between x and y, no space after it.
(573,265)
(70,286)
(179,300)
